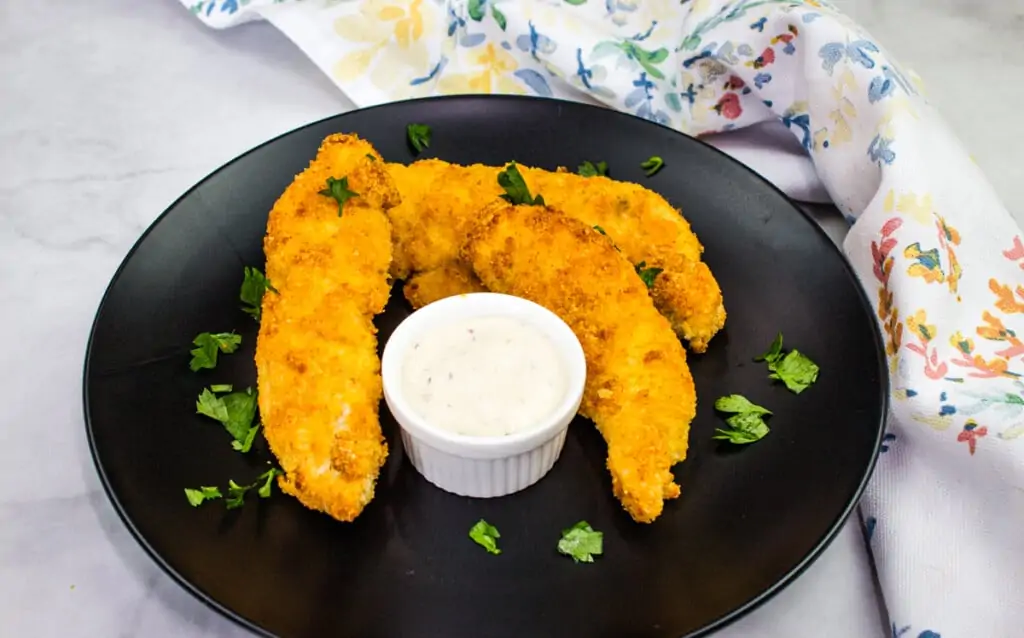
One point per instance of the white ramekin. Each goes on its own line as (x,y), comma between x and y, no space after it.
(478,466)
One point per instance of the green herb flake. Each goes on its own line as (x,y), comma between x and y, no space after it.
(774,351)
(254,286)
(516,191)
(589,169)
(246,444)
(793,368)
(371,157)
(738,404)
(235,411)
(220,388)
(337,189)
(600,230)
(485,535)
(648,274)
(418,136)
(581,542)
(209,345)
(652,165)
(236,494)
(268,482)
(746,423)
(197,497)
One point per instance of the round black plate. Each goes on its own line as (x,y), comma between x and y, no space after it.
(749,520)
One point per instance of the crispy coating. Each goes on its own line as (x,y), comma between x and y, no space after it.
(639,391)
(316,354)
(448,280)
(440,202)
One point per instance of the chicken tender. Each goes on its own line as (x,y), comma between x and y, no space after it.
(453,278)
(316,354)
(639,390)
(440,202)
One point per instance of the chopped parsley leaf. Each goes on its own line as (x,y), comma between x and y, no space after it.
(746,422)
(590,169)
(235,412)
(254,286)
(371,157)
(419,136)
(648,274)
(793,368)
(246,444)
(582,542)
(652,165)
(268,482)
(196,497)
(338,190)
(264,484)
(738,404)
(774,351)
(221,388)
(485,535)
(516,191)
(236,495)
(600,230)
(210,343)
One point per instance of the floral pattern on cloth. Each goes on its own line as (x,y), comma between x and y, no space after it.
(933,246)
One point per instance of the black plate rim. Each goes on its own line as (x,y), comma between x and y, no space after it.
(709,629)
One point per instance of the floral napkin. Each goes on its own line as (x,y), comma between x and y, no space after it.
(937,252)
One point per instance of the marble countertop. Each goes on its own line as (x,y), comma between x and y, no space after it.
(113,108)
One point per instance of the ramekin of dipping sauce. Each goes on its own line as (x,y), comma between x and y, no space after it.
(483,387)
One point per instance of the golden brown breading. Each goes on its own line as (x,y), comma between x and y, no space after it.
(440,201)
(316,354)
(453,278)
(639,391)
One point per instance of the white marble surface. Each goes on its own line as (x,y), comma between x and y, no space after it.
(110,109)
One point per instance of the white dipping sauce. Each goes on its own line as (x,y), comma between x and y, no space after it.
(484,376)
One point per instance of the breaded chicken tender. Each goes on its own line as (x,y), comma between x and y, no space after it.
(448,280)
(639,390)
(440,201)
(316,354)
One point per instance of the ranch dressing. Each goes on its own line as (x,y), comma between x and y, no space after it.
(484,376)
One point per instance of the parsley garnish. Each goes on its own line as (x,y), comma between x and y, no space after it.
(236,492)
(419,136)
(485,535)
(210,343)
(338,190)
(371,157)
(589,169)
(516,191)
(254,286)
(196,497)
(235,411)
(600,230)
(268,482)
(746,423)
(793,368)
(648,274)
(581,542)
(221,387)
(652,165)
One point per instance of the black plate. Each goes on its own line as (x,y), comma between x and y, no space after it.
(749,520)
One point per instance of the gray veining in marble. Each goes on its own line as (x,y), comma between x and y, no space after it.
(109,110)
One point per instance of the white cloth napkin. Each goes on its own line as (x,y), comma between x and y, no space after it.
(935,249)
